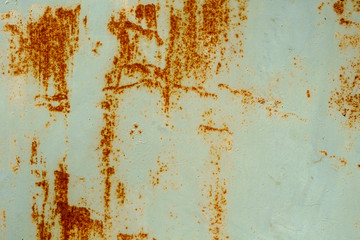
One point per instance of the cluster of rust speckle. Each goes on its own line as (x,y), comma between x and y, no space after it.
(44,48)
(345,98)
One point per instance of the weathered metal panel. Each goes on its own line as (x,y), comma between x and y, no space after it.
(194,119)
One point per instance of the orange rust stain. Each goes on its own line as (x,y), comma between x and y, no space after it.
(338,6)
(97,45)
(308,93)
(205,128)
(139,236)
(342,161)
(196,34)
(134,130)
(45,47)
(321,6)
(74,221)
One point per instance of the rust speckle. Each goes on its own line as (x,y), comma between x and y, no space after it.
(308,93)
(44,47)
(97,45)
(155,175)
(321,6)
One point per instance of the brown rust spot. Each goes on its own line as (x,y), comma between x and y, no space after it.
(338,6)
(321,6)
(308,93)
(44,47)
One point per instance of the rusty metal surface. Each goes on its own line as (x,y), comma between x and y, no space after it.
(194,119)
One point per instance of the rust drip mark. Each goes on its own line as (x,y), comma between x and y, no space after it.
(216,190)
(96,48)
(3,223)
(139,236)
(75,222)
(45,47)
